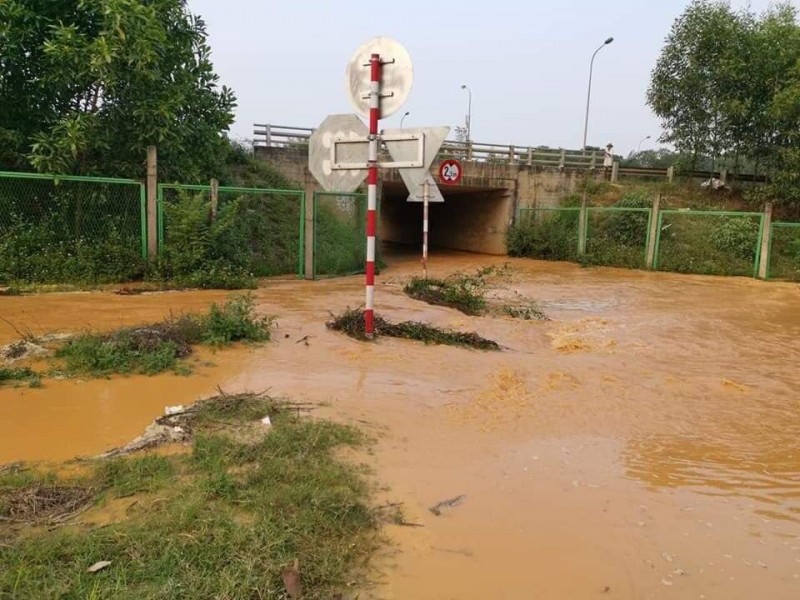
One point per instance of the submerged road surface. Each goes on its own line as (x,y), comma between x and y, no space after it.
(645,443)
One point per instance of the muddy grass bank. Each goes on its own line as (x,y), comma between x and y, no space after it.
(260,505)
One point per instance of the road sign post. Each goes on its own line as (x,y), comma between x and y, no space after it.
(341,153)
(372,190)
(425,199)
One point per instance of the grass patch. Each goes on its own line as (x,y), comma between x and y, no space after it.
(20,376)
(352,323)
(159,347)
(221,522)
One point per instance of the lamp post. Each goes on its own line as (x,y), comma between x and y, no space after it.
(403,118)
(589,94)
(639,147)
(469,113)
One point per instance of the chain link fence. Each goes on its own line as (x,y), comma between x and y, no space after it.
(57,229)
(339,233)
(784,251)
(617,237)
(709,242)
(248,232)
(546,233)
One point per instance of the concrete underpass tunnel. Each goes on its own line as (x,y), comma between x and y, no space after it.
(472,219)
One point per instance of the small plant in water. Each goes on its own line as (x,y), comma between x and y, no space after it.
(352,323)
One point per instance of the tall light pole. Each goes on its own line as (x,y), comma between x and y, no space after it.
(589,94)
(639,147)
(403,118)
(469,113)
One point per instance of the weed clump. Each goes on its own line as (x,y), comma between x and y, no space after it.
(462,291)
(20,376)
(156,348)
(352,323)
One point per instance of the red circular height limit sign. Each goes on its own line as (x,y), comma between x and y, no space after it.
(450,172)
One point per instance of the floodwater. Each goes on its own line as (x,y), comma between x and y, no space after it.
(645,443)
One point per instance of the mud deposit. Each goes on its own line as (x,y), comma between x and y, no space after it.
(644,443)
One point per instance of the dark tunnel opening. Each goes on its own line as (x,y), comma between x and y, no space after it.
(471,219)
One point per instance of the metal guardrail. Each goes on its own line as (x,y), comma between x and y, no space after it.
(283,136)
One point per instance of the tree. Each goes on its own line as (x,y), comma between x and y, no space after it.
(87,85)
(694,83)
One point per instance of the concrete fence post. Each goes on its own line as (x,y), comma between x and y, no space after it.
(563,161)
(512,155)
(152,203)
(582,223)
(652,234)
(671,174)
(594,160)
(530,156)
(214,198)
(615,172)
(723,175)
(766,236)
(308,259)
(469,149)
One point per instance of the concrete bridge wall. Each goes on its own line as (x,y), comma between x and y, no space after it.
(476,214)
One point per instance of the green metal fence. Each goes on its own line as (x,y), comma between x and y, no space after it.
(262,230)
(784,251)
(339,233)
(709,242)
(617,236)
(550,233)
(58,228)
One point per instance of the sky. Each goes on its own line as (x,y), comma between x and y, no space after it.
(526,62)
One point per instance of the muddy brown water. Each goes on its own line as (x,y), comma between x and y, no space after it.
(645,443)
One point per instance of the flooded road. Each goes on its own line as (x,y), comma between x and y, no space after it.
(645,443)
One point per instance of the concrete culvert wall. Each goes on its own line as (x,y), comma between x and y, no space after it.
(473,220)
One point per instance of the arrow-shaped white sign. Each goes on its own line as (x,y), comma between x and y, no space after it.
(434,193)
(405,152)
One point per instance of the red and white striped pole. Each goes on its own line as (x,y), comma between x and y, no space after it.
(372,189)
(425,201)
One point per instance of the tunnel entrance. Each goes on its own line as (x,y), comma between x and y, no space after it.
(473,219)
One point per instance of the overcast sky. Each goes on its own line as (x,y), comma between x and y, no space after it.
(526,61)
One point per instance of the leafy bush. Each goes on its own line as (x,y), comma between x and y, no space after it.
(156,348)
(552,236)
(251,236)
(737,237)
(40,253)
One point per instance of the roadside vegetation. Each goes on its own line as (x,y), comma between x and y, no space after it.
(250,511)
(472,294)
(148,349)
(352,323)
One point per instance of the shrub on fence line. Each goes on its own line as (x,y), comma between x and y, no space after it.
(36,253)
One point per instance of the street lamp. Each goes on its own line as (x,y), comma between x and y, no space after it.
(469,113)
(639,147)
(589,94)
(403,118)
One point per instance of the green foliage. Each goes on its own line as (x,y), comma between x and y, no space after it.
(228,518)
(616,237)
(352,323)
(339,231)
(708,244)
(460,291)
(156,348)
(704,91)
(129,476)
(85,87)
(736,237)
(57,231)
(785,252)
(20,376)
(235,321)
(545,235)
(252,235)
